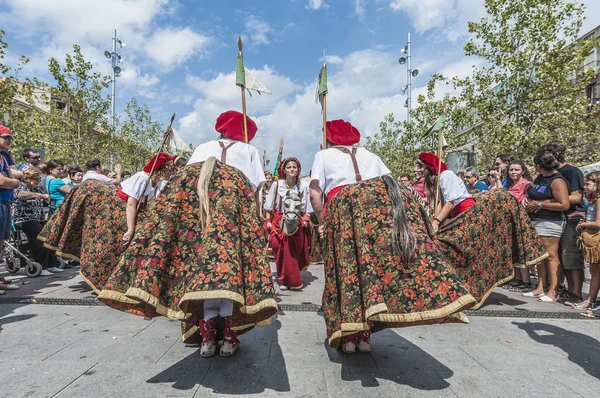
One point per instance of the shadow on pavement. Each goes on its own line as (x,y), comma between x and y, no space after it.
(6,310)
(582,350)
(307,278)
(247,372)
(501,298)
(395,359)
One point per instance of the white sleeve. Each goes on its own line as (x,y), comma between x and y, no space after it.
(134,186)
(305,197)
(268,205)
(104,178)
(258,174)
(318,171)
(383,170)
(450,186)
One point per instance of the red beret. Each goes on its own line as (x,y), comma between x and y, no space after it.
(432,162)
(340,132)
(5,130)
(231,125)
(284,163)
(162,159)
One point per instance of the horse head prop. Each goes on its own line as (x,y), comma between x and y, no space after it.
(292,207)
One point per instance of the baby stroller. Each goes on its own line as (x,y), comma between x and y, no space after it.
(15,254)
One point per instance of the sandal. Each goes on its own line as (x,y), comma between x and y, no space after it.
(532,295)
(548,299)
(580,306)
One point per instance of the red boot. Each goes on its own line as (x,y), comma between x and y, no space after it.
(230,340)
(209,338)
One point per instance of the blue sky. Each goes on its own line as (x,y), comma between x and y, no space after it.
(180,56)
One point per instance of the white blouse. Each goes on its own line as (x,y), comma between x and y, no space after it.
(333,168)
(242,156)
(134,186)
(276,203)
(453,188)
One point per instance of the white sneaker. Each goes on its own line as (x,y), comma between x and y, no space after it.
(208,349)
(55,270)
(364,346)
(45,272)
(349,347)
(227,349)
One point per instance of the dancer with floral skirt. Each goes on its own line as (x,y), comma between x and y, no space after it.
(96,220)
(483,238)
(199,256)
(288,224)
(382,266)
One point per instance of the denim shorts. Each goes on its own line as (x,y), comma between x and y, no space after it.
(5,221)
(549,228)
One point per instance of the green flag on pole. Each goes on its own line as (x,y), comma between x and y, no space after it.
(240,74)
(275,170)
(322,86)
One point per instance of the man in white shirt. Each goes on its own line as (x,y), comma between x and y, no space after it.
(94,172)
(231,149)
(333,168)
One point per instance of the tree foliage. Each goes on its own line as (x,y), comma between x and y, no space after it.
(529,91)
(68,119)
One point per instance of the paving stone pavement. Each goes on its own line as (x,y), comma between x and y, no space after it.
(79,351)
(94,351)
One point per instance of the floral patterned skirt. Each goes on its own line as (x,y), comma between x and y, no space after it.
(485,242)
(290,252)
(88,226)
(365,283)
(174,263)
(315,246)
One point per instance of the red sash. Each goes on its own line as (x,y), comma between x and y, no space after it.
(462,207)
(122,194)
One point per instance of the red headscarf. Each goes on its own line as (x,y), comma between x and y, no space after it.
(284,162)
(432,162)
(340,132)
(5,130)
(160,162)
(231,125)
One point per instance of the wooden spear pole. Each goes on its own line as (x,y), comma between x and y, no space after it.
(162,146)
(243,90)
(324,118)
(439,155)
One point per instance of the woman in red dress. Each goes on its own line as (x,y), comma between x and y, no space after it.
(290,248)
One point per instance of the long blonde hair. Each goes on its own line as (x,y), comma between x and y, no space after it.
(206,173)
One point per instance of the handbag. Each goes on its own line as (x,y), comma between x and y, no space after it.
(590,243)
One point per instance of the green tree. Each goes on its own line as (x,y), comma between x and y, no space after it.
(138,137)
(531,89)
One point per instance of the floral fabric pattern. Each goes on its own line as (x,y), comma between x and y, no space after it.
(366,284)
(173,263)
(89,226)
(485,242)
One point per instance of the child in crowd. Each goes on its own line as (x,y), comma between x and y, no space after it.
(590,239)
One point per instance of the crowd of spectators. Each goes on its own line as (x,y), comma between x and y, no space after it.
(31,190)
(562,206)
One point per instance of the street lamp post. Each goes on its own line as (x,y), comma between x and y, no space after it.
(410,73)
(115,58)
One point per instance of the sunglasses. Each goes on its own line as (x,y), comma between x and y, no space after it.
(7,137)
(35,157)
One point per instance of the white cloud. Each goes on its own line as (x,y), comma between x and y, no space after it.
(171,46)
(449,17)
(359,7)
(364,89)
(258,30)
(332,59)
(316,4)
